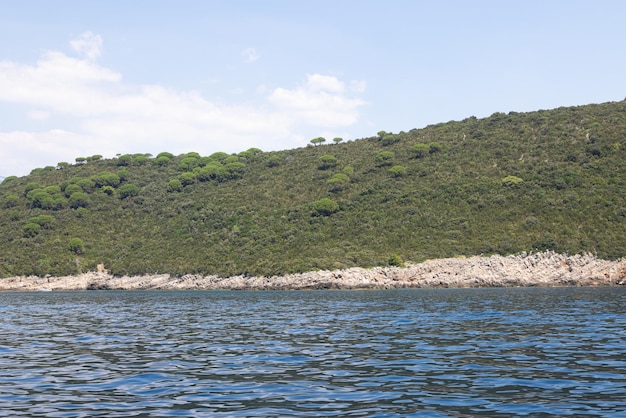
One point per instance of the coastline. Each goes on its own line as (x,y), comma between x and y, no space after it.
(547,269)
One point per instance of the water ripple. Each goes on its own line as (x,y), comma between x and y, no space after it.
(445,352)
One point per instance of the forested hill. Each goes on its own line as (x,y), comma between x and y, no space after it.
(550,179)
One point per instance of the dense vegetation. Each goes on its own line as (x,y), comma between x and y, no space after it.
(504,184)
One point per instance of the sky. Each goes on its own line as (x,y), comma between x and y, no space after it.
(80,78)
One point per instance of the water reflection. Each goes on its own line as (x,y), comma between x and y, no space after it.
(461,352)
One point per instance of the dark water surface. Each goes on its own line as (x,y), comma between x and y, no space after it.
(444,352)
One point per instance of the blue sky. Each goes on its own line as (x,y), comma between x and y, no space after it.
(79,78)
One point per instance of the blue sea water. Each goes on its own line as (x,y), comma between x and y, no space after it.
(395,353)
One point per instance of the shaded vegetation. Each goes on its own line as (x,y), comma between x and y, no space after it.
(545,180)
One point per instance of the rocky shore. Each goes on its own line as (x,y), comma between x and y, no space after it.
(541,269)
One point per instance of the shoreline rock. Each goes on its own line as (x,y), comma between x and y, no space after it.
(545,269)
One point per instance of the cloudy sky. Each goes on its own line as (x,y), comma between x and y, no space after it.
(80,77)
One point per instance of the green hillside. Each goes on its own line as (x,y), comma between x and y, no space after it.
(551,179)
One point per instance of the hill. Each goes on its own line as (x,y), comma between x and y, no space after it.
(544,180)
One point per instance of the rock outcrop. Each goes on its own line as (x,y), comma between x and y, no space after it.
(541,269)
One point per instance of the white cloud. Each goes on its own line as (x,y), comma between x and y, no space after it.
(250,55)
(88,44)
(320,101)
(87,109)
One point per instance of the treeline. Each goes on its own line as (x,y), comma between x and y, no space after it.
(545,180)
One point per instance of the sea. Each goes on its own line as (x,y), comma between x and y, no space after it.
(375,353)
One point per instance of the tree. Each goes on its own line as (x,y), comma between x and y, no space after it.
(325,207)
(11,200)
(384,158)
(274,161)
(174,185)
(30,230)
(187,178)
(162,160)
(337,140)
(188,163)
(165,154)
(434,147)
(76,246)
(79,199)
(44,221)
(420,150)
(510,181)
(397,170)
(128,190)
(327,161)
(124,160)
(389,139)
(318,141)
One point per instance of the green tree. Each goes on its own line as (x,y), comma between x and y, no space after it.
(398,170)
(108,190)
(337,140)
(327,161)
(274,161)
(510,181)
(162,161)
(174,185)
(128,190)
(44,221)
(76,246)
(420,150)
(389,139)
(434,147)
(79,199)
(187,178)
(188,163)
(325,207)
(11,200)
(384,158)
(318,141)
(30,230)
(124,160)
